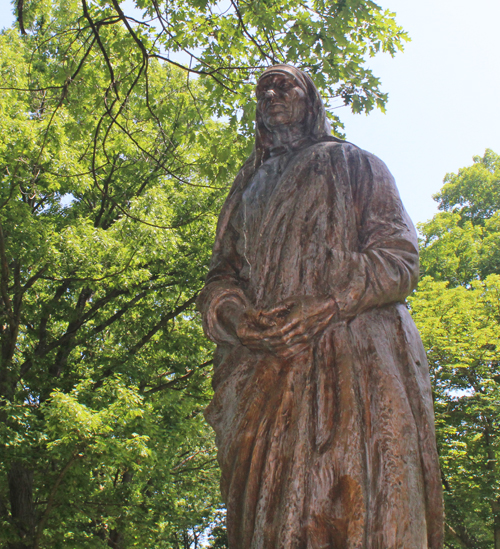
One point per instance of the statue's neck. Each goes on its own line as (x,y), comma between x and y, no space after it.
(286,135)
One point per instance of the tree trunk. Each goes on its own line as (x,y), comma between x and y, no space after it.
(495,507)
(115,539)
(21,504)
(488,434)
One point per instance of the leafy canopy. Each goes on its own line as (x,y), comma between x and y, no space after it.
(463,242)
(224,44)
(120,133)
(457,310)
(105,370)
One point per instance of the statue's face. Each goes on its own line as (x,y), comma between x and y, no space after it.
(281,101)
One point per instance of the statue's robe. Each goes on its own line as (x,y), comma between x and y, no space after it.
(335,447)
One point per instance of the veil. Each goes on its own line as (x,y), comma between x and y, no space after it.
(317,127)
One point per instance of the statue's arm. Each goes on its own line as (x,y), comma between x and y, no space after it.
(222,301)
(221,310)
(385,269)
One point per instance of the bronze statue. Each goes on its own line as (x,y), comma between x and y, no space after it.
(322,407)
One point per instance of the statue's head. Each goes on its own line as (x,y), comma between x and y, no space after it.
(281,100)
(287,96)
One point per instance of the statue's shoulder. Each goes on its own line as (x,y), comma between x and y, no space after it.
(334,143)
(331,142)
(338,147)
(349,150)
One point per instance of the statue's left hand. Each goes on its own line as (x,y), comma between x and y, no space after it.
(287,328)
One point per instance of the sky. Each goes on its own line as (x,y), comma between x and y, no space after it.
(443,93)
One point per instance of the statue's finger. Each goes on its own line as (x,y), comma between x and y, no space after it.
(292,350)
(277,310)
(296,339)
(282,329)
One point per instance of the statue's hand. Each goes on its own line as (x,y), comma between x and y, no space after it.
(298,320)
(251,327)
(288,328)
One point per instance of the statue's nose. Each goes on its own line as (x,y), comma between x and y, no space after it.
(270,94)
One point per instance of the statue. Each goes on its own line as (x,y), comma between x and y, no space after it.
(322,408)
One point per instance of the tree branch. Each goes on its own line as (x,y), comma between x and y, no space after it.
(163,322)
(95,30)
(20,16)
(4,279)
(177,379)
(50,502)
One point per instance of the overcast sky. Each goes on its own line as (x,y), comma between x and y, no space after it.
(444,93)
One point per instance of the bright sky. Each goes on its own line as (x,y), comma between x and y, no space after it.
(443,92)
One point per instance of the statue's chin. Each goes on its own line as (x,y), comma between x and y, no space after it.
(276,123)
(283,121)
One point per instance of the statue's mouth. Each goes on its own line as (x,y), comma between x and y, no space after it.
(276,107)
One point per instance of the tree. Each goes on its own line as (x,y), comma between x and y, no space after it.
(462,243)
(104,372)
(218,535)
(457,310)
(223,44)
(119,138)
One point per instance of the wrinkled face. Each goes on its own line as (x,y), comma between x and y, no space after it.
(281,101)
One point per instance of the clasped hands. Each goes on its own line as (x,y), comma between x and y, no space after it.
(284,330)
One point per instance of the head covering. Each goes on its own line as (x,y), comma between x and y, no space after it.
(317,127)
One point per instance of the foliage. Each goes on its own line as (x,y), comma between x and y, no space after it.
(105,370)
(119,136)
(218,535)
(224,44)
(460,328)
(462,243)
(457,310)
(475,191)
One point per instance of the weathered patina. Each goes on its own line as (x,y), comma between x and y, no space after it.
(322,407)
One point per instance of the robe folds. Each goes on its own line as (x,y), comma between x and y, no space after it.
(333,448)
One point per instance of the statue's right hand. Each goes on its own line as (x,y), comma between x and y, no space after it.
(251,326)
